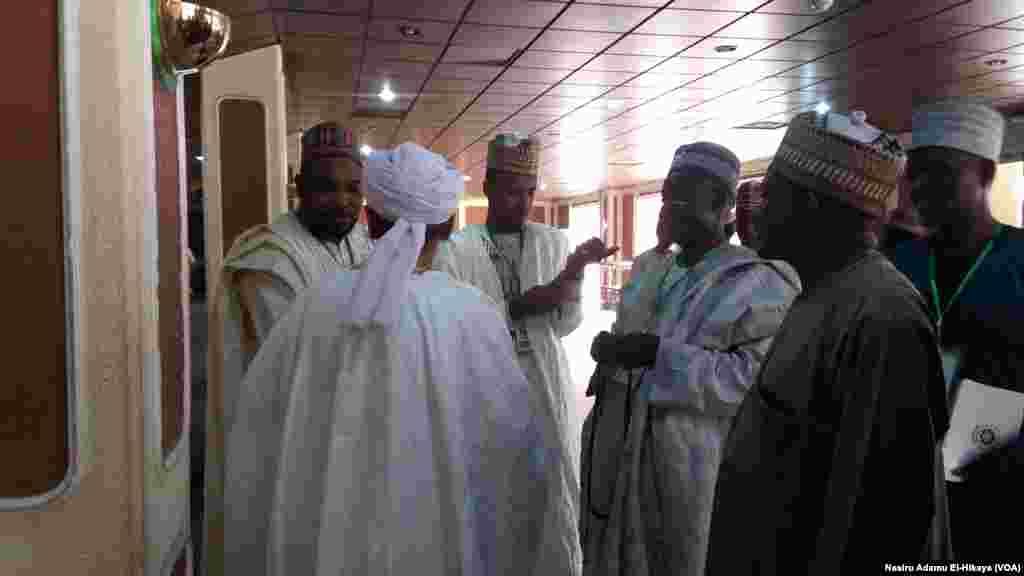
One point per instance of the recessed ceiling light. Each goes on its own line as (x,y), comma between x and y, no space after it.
(409,31)
(201,158)
(467,177)
(366,150)
(822,108)
(996,62)
(724,48)
(386,94)
(820,5)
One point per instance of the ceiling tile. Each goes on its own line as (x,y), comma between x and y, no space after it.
(659,81)
(497,99)
(577,90)
(623,63)
(770,26)
(517,12)
(687,22)
(343,6)
(395,69)
(649,45)
(403,51)
(601,18)
(600,78)
(992,40)
(1015,24)
(742,47)
(794,50)
(575,41)
(728,5)
(448,10)
(439,84)
(983,12)
(803,7)
(467,72)
(477,55)
(527,88)
(506,36)
(550,59)
(516,74)
(820,70)
(687,65)
(388,29)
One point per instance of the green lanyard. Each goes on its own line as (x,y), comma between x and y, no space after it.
(941,311)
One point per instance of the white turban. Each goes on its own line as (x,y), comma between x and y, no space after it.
(415,188)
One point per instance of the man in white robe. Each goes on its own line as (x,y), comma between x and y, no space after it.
(526,268)
(385,428)
(716,322)
(266,269)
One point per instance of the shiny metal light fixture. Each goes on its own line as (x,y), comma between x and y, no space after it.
(190,36)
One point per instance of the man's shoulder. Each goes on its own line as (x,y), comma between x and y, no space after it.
(463,301)
(547,232)
(880,293)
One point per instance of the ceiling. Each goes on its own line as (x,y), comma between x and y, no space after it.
(610,88)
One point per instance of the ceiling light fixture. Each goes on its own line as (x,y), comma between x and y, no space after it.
(366,150)
(467,177)
(543,186)
(201,158)
(822,108)
(386,94)
(819,6)
(725,48)
(996,62)
(409,31)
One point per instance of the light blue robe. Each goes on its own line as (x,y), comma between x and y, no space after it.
(716,321)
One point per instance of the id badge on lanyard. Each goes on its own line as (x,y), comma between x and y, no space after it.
(521,338)
(518,331)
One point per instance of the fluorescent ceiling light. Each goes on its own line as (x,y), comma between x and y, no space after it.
(386,94)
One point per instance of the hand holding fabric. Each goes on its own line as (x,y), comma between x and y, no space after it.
(604,349)
(637,350)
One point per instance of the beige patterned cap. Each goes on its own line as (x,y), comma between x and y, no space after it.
(510,153)
(844,157)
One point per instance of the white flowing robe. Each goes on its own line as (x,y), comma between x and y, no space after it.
(544,254)
(410,450)
(265,270)
(717,326)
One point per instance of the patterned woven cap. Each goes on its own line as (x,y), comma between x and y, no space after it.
(962,125)
(845,157)
(515,155)
(713,158)
(328,140)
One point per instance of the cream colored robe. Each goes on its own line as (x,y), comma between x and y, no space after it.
(265,270)
(544,255)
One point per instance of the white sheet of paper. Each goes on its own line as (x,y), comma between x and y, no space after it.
(984,418)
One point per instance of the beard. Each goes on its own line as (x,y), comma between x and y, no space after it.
(328,226)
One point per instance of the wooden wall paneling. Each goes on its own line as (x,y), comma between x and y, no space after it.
(563,216)
(626,243)
(171,295)
(243,149)
(34,401)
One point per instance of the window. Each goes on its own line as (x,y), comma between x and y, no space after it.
(645,223)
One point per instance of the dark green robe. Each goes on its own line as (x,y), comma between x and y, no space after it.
(832,465)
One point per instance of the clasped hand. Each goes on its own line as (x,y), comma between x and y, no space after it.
(636,350)
(590,252)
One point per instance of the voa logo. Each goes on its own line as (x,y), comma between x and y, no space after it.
(1008,568)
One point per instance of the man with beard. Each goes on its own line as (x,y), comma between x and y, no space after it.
(267,268)
(832,463)
(527,269)
(971,272)
(717,311)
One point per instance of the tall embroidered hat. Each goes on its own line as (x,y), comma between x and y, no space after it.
(515,155)
(963,125)
(328,140)
(844,157)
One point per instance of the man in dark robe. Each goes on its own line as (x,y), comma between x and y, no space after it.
(971,272)
(832,463)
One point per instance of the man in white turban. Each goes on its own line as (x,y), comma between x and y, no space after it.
(385,426)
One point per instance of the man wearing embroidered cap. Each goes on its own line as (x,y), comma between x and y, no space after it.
(718,308)
(385,427)
(527,269)
(971,272)
(265,270)
(832,465)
